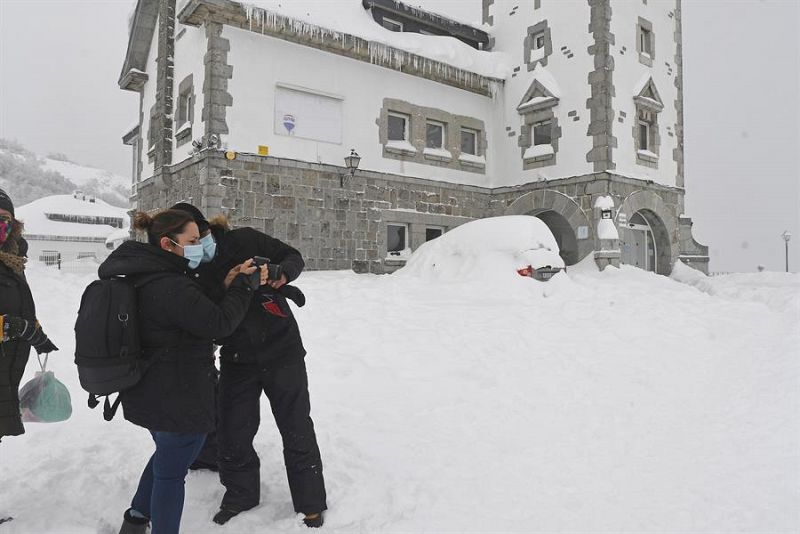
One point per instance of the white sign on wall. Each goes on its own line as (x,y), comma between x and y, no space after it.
(583,232)
(308,115)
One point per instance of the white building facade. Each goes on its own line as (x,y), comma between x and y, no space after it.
(249,110)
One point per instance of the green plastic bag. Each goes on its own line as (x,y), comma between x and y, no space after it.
(44,399)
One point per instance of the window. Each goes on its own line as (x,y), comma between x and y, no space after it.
(396,239)
(538,41)
(644,135)
(185,107)
(542,133)
(434,135)
(393,25)
(432,233)
(645,41)
(152,129)
(398,127)
(469,141)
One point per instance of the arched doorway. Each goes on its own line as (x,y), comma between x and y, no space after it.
(564,234)
(563,216)
(645,243)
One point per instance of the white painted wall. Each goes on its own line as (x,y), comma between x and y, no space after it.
(148,99)
(260,62)
(568,21)
(629,71)
(189,54)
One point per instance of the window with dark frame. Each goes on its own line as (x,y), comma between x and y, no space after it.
(432,233)
(543,133)
(392,25)
(469,141)
(538,41)
(644,135)
(185,107)
(646,37)
(396,241)
(398,127)
(434,135)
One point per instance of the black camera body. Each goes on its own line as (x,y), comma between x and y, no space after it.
(274,270)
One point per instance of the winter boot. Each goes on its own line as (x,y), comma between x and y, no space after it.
(223,516)
(133,525)
(313,520)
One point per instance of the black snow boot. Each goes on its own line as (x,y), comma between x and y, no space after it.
(133,525)
(313,520)
(224,515)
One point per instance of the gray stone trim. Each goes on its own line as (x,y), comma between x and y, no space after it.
(601,112)
(692,253)
(677,153)
(487,17)
(536,29)
(644,58)
(418,117)
(164,84)
(227,12)
(537,4)
(216,98)
(646,112)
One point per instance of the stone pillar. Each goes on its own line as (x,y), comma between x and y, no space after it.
(677,154)
(216,98)
(164,86)
(601,125)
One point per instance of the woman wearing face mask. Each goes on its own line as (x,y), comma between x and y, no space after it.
(175,399)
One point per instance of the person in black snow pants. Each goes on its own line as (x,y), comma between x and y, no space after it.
(175,399)
(19,329)
(265,354)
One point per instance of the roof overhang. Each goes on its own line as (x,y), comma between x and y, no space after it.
(145,17)
(131,136)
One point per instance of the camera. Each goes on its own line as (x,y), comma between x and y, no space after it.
(274,270)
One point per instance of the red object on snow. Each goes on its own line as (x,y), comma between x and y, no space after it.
(525,271)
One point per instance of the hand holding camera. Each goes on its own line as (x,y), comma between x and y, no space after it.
(272,273)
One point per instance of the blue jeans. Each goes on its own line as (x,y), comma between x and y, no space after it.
(161,488)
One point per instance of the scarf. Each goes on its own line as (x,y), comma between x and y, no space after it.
(13,262)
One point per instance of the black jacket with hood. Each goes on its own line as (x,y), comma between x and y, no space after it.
(268,335)
(177,324)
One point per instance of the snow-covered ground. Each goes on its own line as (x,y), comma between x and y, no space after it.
(605,402)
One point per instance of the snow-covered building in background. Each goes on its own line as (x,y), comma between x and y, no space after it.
(69,227)
(249,110)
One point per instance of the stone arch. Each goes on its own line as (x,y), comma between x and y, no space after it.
(563,216)
(663,222)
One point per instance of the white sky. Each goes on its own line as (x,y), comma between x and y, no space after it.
(60,61)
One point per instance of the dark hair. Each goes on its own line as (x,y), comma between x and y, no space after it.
(167,223)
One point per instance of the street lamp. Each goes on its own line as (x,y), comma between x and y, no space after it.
(786,237)
(351,162)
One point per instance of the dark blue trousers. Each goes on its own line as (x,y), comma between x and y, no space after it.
(161,488)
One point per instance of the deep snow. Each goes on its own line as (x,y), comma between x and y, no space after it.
(619,401)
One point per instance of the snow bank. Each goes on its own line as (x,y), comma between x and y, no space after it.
(492,248)
(613,401)
(34,215)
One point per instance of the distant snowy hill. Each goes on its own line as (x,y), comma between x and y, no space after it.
(27,177)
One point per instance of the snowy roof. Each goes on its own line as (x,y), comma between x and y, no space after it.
(350,18)
(543,76)
(34,215)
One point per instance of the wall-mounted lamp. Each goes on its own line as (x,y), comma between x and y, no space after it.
(351,163)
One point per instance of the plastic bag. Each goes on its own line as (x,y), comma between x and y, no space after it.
(44,399)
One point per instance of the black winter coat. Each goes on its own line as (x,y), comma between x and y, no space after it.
(177,325)
(269,334)
(15,299)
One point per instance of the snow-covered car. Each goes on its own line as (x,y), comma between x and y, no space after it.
(513,245)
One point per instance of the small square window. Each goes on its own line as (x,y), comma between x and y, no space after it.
(469,141)
(398,127)
(396,238)
(538,41)
(432,233)
(542,133)
(644,135)
(434,135)
(393,25)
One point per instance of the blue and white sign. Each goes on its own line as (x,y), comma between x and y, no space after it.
(306,114)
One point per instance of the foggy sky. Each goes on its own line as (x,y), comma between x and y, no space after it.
(60,61)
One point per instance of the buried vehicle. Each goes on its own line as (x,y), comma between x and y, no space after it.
(510,245)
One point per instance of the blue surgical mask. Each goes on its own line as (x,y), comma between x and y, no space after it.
(193,253)
(209,248)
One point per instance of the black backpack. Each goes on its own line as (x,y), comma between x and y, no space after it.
(108,350)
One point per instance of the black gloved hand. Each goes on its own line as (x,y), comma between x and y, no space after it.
(17,328)
(45,347)
(249,281)
(294,294)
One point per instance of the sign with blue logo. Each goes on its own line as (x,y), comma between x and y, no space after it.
(288,123)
